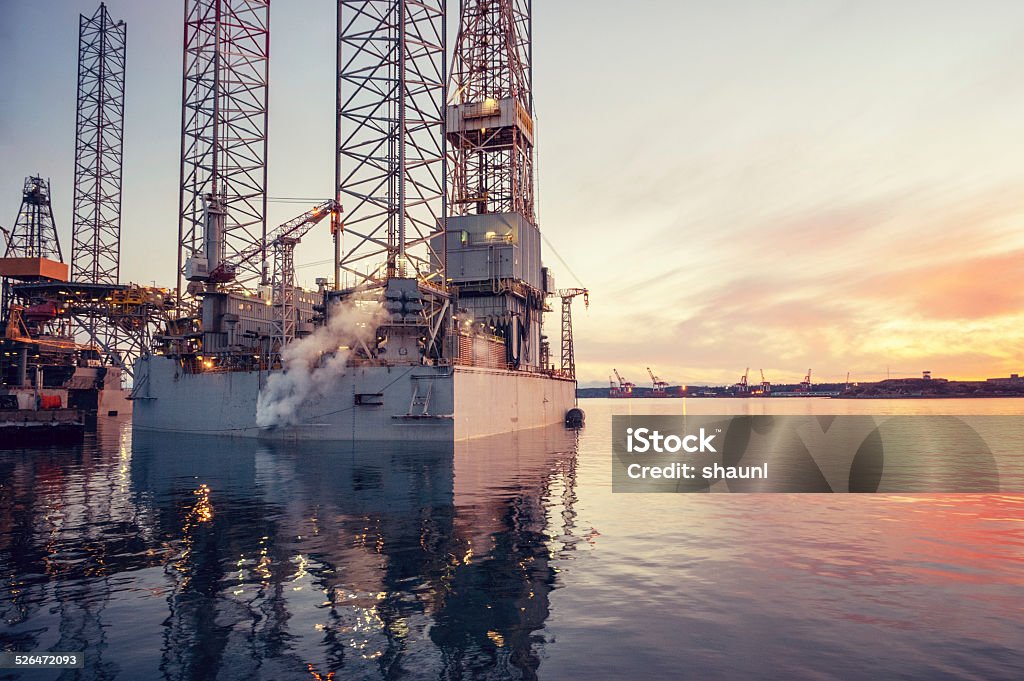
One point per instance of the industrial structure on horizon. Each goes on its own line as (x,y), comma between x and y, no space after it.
(923,386)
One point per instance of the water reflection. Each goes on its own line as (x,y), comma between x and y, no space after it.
(204,558)
(217,559)
(67,535)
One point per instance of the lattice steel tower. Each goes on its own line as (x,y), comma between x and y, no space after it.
(34,234)
(222,209)
(493,246)
(99,132)
(490,122)
(391,161)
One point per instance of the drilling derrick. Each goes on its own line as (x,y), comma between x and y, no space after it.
(43,308)
(32,253)
(222,208)
(490,120)
(31,258)
(493,243)
(431,327)
(34,234)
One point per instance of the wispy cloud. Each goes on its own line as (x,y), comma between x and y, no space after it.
(902,282)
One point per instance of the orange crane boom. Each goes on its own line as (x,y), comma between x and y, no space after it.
(295,228)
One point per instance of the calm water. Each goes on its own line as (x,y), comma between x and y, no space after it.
(194,558)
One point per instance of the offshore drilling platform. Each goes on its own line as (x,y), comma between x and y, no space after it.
(71,330)
(432,325)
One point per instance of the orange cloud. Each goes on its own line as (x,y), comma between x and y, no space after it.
(976,288)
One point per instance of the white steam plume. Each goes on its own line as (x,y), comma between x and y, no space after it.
(311,364)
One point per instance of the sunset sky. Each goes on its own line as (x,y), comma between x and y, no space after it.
(779,185)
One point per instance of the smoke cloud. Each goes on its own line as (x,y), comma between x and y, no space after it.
(312,364)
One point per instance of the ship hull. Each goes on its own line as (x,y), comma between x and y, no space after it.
(366,403)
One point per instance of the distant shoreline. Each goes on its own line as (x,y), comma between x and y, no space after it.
(810,397)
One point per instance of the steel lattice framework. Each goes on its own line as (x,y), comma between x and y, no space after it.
(568,362)
(34,234)
(391,161)
(99,127)
(284,290)
(99,136)
(125,315)
(492,168)
(282,242)
(224,128)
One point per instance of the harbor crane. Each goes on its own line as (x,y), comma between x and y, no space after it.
(568,366)
(805,386)
(766,386)
(659,385)
(625,388)
(743,386)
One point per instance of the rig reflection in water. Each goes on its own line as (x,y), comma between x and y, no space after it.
(203,558)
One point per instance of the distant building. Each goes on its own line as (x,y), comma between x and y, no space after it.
(1013,380)
(925,378)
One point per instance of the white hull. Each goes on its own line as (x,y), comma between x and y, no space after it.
(367,403)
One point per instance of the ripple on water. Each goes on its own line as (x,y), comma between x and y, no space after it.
(196,558)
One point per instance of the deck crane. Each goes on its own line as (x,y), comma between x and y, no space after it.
(282,241)
(659,385)
(568,366)
(295,228)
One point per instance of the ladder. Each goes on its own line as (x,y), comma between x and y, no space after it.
(420,401)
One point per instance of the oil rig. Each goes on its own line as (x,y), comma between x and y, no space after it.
(432,325)
(71,330)
(438,242)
